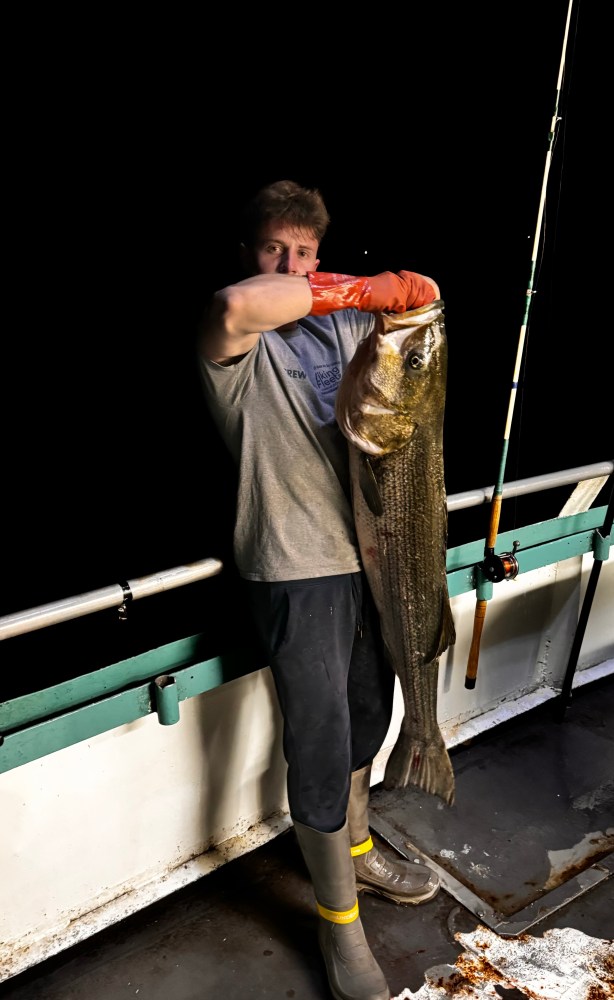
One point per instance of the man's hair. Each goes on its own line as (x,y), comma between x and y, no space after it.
(287,202)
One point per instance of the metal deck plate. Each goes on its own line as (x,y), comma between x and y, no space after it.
(532,826)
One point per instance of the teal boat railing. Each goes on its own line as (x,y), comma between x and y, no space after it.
(42,722)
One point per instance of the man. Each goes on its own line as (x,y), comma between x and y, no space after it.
(273,349)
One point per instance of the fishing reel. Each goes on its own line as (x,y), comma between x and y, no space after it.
(501,567)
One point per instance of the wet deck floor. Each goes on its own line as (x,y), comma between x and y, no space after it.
(527,850)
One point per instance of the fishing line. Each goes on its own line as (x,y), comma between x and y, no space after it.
(495,568)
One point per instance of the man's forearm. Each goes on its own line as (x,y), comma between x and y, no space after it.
(385,292)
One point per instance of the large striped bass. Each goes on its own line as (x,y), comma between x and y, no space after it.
(390,407)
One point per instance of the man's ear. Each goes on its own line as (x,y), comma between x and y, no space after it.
(316,265)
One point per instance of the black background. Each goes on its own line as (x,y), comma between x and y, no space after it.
(130,151)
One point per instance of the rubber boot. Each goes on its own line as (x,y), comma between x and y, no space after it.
(401,881)
(353,973)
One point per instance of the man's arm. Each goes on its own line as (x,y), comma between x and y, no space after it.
(239,313)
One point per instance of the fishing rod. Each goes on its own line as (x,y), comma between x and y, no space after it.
(495,568)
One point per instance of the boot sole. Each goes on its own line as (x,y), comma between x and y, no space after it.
(401,900)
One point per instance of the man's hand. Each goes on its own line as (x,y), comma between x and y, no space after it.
(385,292)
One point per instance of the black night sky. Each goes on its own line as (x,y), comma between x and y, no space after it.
(130,155)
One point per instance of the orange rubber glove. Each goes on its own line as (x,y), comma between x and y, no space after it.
(386,292)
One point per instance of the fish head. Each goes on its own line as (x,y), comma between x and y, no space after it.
(395,381)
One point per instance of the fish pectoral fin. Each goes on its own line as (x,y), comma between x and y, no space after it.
(368,485)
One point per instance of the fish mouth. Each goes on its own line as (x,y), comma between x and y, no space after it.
(422,316)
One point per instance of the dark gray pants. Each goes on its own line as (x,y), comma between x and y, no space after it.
(334,685)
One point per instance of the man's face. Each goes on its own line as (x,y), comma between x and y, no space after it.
(284,250)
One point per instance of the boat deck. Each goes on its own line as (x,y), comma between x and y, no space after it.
(526,856)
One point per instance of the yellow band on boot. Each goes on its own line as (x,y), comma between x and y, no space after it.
(339,916)
(363,848)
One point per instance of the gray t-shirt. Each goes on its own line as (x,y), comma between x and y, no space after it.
(275,411)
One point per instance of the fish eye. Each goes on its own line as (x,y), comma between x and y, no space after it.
(415,361)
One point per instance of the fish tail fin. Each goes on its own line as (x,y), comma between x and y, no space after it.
(429,767)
